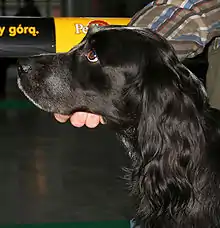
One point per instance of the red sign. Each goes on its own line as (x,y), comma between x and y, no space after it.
(98,22)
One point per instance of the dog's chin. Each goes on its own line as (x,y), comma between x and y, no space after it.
(20,86)
(41,103)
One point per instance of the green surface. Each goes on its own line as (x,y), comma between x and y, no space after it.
(16,104)
(25,104)
(107,224)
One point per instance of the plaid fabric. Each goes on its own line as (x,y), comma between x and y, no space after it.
(188,25)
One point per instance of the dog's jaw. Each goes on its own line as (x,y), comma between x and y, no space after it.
(29,98)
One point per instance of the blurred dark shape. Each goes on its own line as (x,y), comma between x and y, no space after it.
(199,65)
(121,9)
(3,7)
(29,9)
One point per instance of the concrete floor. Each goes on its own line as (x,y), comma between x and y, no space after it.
(51,172)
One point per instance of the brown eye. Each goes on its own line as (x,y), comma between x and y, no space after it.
(92,57)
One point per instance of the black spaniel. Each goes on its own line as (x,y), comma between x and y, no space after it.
(159,110)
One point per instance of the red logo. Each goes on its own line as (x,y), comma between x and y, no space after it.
(98,22)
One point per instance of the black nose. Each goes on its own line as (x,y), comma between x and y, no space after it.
(24,66)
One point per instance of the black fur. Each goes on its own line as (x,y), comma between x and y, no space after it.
(159,110)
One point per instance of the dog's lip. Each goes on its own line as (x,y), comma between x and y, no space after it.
(20,86)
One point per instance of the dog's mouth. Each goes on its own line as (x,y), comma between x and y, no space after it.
(29,97)
(41,103)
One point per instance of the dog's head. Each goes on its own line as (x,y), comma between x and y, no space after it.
(132,77)
(104,74)
(94,76)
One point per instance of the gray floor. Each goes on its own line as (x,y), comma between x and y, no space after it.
(50,172)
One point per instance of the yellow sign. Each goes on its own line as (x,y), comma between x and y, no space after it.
(70,31)
(18,30)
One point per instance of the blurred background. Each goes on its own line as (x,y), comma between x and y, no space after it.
(51,172)
(64,8)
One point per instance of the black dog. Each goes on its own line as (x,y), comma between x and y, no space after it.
(158,108)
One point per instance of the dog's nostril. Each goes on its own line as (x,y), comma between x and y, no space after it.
(24,68)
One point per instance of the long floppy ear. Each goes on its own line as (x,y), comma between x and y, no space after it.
(170,138)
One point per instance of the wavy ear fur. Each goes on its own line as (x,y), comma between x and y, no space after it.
(170,137)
